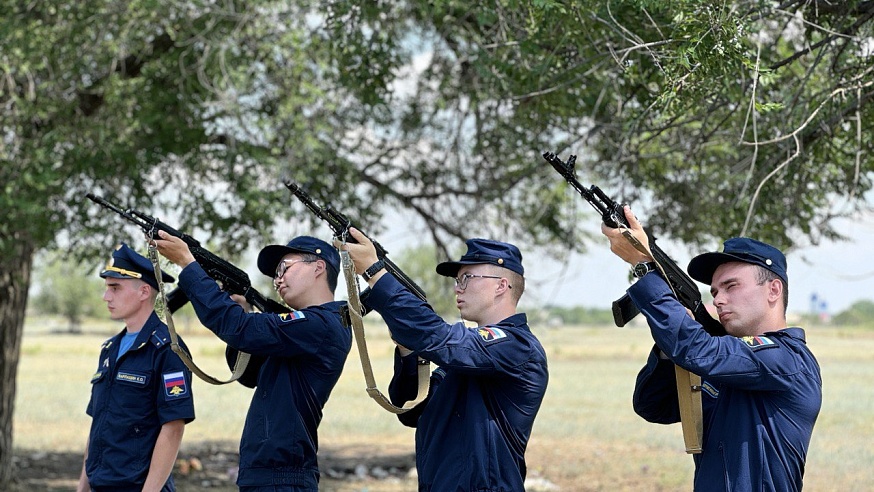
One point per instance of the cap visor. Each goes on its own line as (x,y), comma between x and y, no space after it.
(701,267)
(448,268)
(269,257)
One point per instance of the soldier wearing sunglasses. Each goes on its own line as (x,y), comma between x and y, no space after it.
(472,430)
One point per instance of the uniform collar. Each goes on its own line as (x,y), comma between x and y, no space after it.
(519,320)
(792,331)
(153,326)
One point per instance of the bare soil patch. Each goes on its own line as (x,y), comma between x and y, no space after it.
(213,467)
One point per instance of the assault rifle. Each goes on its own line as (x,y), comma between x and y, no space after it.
(688,384)
(340,225)
(232,279)
(613,214)
(353,311)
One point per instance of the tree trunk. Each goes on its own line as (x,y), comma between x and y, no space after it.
(15,267)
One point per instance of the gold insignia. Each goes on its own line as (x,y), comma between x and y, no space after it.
(500,261)
(122,271)
(318,251)
(176,390)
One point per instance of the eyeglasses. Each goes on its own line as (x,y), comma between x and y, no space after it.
(284,265)
(461,282)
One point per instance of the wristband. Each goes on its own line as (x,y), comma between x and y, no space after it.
(373,270)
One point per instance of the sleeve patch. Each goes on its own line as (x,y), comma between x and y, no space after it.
(292,316)
(174,385)
(491,334)
(759,342)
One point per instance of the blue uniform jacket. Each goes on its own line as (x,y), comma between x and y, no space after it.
(473,429)
(305,352)
(761,395)
(130,400)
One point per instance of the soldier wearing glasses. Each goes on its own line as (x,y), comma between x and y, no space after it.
(472,430)
(304,350)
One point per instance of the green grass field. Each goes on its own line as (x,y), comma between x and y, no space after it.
(586,437)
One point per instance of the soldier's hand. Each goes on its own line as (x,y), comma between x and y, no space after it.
(242,302)
(623,246)
(363,253)
(174,249)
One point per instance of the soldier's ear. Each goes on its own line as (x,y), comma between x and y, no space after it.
(775,290)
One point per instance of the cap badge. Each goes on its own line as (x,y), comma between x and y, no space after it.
(500,261)
(318,251)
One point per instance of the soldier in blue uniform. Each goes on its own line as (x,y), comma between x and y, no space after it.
(472,430)
(305,350)
(141,392)
(761,385)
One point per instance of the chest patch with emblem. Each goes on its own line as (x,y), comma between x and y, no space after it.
(759,342)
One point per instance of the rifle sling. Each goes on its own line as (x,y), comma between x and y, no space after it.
(357,322)
(242,357)
(691,412)
(688,384)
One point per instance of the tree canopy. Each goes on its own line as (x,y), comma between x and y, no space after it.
(743,117)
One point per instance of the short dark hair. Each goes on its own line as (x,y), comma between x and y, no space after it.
(516,281)
(332,279)
(764,275)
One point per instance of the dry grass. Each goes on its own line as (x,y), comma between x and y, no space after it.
(586,437)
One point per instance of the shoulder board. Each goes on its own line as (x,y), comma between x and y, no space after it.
(158,340)
(759,342)
(291,316)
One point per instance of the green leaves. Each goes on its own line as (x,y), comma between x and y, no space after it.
(722,114)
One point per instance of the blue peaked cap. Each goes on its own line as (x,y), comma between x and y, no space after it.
(741,249)
(127,263)
(268,258)
(485,251)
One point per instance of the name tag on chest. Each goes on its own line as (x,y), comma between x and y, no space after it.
(130,377)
